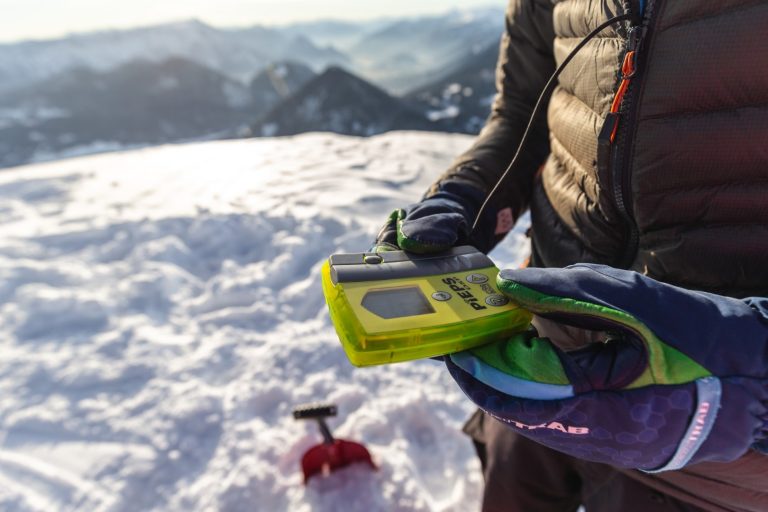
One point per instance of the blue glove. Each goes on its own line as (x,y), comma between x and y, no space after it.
(633,372)
(439,222)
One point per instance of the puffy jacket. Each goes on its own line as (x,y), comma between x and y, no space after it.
(680,192)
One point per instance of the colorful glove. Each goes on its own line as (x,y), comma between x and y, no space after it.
(663,377)
(439,222)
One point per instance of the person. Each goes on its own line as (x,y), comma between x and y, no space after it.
(649,171)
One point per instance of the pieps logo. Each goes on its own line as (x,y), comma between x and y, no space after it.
(462,291)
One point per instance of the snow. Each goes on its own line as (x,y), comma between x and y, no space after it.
(30,115)
(161,314)
(452,90)
(449,112)
(96,146)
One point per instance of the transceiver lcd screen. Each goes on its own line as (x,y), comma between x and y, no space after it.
(397,302)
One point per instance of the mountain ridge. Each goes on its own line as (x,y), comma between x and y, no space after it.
(341,102)
(238,53)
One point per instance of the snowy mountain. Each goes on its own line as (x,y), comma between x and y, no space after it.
(277,82)
(237,53)
(462,100)
(161,314)
(398,54)
(185,81)
(340,102)
(138,103)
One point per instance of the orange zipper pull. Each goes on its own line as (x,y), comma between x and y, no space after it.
(627,72)
(610,127)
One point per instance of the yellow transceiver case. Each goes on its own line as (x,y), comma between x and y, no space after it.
(396,306)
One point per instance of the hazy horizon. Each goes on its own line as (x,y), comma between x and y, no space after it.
(51,19)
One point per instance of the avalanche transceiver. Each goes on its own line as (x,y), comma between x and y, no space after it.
(398,306)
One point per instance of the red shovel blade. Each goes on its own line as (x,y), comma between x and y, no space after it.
(323,459)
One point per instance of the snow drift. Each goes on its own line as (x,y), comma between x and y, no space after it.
(161,313)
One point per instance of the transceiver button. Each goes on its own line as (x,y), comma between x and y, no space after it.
(496,299)
(477,278)
(441,296)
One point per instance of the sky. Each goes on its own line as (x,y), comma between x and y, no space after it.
(45,19)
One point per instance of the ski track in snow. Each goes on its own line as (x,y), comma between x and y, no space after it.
(161,314)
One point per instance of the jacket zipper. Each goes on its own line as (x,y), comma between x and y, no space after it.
(614,141)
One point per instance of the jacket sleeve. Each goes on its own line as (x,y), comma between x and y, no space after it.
(525,64)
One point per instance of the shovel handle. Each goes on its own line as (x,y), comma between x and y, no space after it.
(314,411)
(317,412)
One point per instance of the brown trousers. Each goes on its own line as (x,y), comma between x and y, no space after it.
(523,476)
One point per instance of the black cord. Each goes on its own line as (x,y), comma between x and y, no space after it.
(544,93)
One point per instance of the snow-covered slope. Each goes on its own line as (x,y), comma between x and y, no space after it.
(160,314)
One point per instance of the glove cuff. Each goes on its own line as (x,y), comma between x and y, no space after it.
(708,394)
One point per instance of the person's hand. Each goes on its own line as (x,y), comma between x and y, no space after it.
(626,370)
(436,223)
